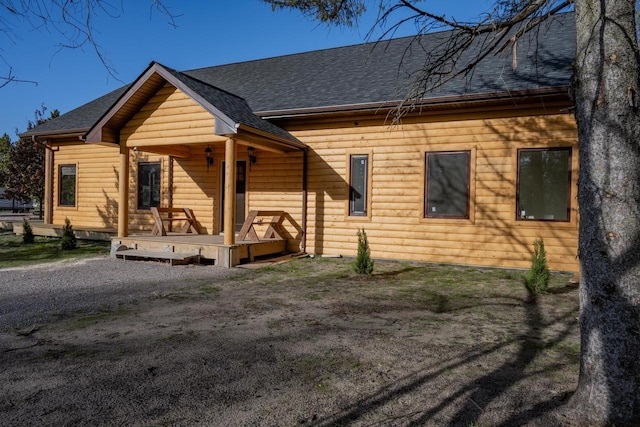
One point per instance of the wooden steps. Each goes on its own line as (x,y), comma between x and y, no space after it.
(175,258)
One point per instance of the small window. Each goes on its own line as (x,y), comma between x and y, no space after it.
(544,184)
(148,185)
(447,184)
(359,167)
(67,185)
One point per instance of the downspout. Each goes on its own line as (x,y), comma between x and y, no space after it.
(47,199)
(170,183)
(47,202)
(303,241)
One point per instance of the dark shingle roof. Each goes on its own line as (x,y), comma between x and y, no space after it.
(370,73)
(81,118)
(360,74)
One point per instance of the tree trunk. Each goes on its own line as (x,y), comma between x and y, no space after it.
(607,99)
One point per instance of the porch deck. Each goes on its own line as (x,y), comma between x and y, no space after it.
(173,247)
(204,246)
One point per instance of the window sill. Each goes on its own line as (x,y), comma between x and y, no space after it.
(358,218)
(453,221)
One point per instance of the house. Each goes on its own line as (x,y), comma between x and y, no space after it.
(11,205)
(481,168)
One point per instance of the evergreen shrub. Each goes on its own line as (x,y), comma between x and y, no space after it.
(27,232)
(537,278)
(68,241)
(363,263)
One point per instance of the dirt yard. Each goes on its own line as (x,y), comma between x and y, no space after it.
(305,343)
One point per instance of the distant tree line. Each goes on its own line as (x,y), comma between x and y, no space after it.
(22,163)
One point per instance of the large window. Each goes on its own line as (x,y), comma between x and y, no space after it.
(359,171)
(447,184)
(67,190)
(148,185)
(544,184)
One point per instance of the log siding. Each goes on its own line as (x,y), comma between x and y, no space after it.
(395,222)
(96,184)
(398,229)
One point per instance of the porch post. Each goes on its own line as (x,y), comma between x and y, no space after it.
(123,192)
(47,208)
(230,192)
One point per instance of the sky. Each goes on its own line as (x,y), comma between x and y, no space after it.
(207,33)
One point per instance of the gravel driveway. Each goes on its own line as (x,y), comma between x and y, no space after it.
(33,294)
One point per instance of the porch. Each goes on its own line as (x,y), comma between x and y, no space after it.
(174,247)
(188,247)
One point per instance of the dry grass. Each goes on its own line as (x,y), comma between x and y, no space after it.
(308,342)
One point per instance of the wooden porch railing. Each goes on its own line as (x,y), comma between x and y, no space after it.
(275,230)
(164,218)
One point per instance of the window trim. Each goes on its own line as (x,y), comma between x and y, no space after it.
(470,153)
(75,187)
(369,180)
(158,162)
(570,182)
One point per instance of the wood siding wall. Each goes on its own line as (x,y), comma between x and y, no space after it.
(395,222)
(96,184)
(142,219)
(170,118)
(396,226)
(198,188)
(275,183)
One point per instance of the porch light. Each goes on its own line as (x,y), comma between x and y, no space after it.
(208,155)
(252,156)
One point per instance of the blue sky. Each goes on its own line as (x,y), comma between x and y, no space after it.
(208,33)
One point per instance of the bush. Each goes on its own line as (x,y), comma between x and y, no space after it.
(68,241)
(363,263)
(537,278)
(27,232)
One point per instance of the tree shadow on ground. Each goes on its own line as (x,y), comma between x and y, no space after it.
(478,394)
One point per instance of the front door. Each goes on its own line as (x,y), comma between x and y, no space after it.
(241,188)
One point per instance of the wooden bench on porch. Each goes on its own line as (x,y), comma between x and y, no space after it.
(273,220)
(273,240)
(164,217)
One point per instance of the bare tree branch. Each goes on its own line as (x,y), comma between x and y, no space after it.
(445,61)
(71,22)
(10,78)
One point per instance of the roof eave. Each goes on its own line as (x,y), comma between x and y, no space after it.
(290,144)
(63,133)
(389,105)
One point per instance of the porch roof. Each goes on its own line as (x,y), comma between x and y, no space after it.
(233,116)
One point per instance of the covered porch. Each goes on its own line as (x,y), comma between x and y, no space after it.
(261,235)
(166,113)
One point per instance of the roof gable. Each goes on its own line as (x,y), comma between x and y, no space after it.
(231,112)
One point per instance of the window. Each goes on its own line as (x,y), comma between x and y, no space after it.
(359,171)
(67,190)
(447,184)
(544,184)
(148,185)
